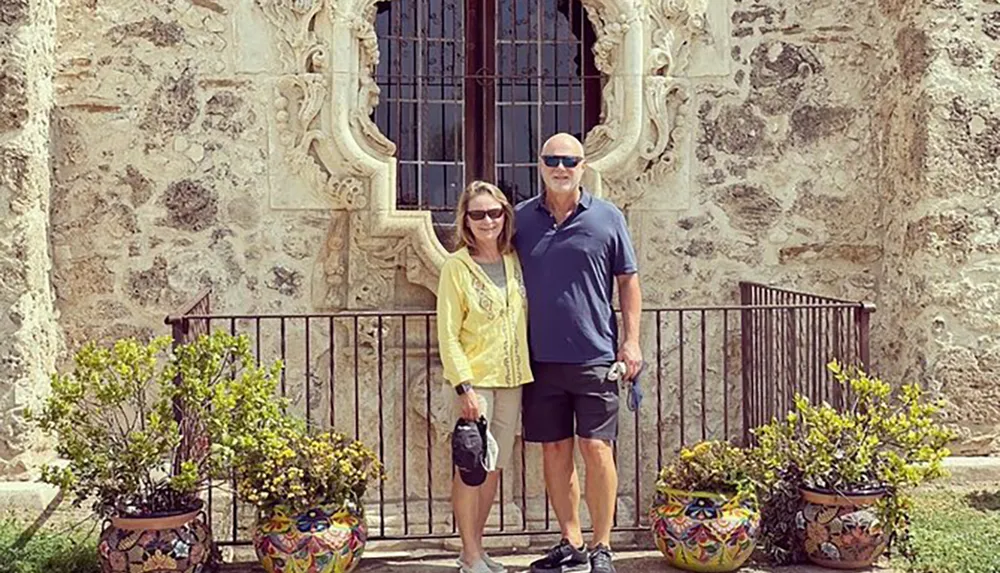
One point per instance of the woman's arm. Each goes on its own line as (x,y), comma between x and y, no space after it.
(451,311)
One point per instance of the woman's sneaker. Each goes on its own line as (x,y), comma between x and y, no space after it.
(495,566)
(563,558)
(600,559)
(478,567)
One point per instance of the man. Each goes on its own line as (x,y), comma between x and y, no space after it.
(573,248)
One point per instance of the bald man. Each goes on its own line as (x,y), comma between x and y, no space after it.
(573,248)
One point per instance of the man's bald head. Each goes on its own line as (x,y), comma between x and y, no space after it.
(562,144)
(565,165)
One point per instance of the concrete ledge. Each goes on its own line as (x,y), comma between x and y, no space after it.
(972,471)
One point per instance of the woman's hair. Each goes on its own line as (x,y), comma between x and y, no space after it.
(463,234)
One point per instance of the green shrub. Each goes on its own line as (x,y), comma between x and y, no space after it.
(114,417)
(710,466)
(881,440)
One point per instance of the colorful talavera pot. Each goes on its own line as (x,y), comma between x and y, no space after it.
(179,543)
(323,539)
(841,530)
(701,531)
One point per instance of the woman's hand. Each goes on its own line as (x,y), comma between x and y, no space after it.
(469,404)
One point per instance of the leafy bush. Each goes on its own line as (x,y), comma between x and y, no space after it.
(710,466)
(287,469)
(114,417)
(880,441)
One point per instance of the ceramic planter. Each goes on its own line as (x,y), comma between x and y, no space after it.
(178,543)
(321,540)
(700,531)
(841,531)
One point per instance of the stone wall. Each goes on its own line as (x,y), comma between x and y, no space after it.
(938,290)
(160,180)
(28,330)
(782,160)
(839,147)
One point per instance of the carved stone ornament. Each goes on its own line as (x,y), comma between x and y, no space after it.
(675,28)
(332,155)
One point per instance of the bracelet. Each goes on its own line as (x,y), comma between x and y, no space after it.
(463,388)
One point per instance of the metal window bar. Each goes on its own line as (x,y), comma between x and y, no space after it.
(486,76)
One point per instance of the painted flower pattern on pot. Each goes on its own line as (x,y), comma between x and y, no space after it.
(840,532)
(703,531)
(313,521)
(319,540)
(181,549)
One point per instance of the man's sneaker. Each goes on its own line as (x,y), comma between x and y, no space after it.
(600,559)
(563,558)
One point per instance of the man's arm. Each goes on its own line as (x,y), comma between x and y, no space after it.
(630,300)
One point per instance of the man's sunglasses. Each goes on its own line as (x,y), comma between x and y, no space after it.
(568,161)
(480,215)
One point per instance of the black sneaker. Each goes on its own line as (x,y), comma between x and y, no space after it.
(600,560)
(563,558)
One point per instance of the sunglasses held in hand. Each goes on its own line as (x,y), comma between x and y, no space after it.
(494,214)
(568,161)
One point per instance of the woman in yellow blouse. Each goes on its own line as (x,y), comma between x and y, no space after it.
(483,339)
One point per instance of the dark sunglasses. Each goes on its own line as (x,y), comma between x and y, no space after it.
(568,161)
(480,215)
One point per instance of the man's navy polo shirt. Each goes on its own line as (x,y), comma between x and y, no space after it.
(569,274)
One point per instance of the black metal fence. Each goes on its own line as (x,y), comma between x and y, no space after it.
(713,372)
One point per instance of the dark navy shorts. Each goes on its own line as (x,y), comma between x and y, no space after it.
(570,399)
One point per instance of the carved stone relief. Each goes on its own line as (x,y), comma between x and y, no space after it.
(328,154)
(657,176)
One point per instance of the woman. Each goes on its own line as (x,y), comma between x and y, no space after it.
(483,339)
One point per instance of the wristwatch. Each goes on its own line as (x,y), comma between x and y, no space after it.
(463,388)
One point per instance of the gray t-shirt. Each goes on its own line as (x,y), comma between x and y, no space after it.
(497,274)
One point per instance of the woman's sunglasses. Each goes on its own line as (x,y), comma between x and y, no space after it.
(568,161)
(480,215)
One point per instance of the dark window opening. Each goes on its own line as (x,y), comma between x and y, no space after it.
(471,88)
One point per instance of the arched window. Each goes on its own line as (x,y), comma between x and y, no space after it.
(471,88)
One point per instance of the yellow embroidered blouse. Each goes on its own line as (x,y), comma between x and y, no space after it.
(482,334)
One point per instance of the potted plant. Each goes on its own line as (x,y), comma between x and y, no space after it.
(704,515)
(308,490)
(115,417)
(838,480)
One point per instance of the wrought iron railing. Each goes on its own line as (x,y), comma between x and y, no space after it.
(713,372)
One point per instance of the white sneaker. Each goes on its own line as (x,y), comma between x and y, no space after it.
(478,567)
(495,566)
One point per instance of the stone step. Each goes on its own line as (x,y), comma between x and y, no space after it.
(625,562)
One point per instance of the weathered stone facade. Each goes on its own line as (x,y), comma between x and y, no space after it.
(30,334)
(834,146)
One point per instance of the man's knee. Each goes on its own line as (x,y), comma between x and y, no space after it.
(561,451)
(596,451)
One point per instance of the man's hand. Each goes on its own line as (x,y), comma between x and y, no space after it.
(630,353)
(469,404)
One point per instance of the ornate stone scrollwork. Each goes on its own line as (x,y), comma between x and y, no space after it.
(363,26)
(611,23)
(675,27)
(294,21)
(328,153)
